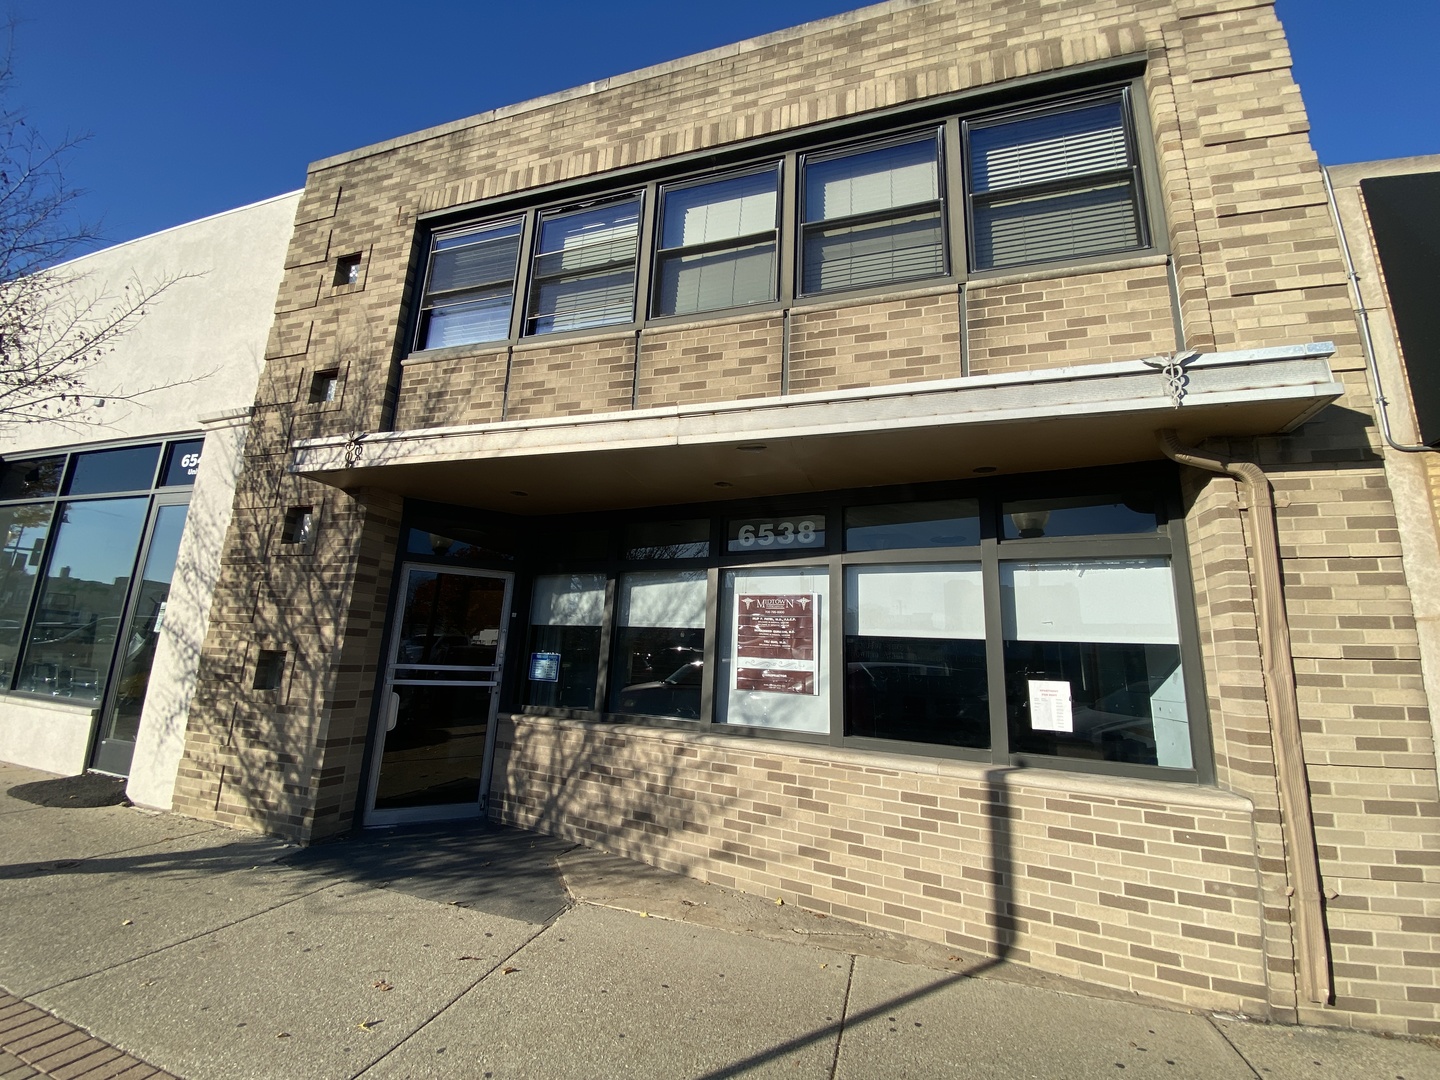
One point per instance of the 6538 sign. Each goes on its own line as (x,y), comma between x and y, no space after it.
(783,534)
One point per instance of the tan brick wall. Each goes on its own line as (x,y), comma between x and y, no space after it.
(571,378)
(1130,884)
(1079,319)
(725,360)
(449,393)
(878,343)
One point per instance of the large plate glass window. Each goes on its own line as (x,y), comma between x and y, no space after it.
(915,654)
(658,665)
(774,650)
(1059,184)
(717,243)
(470,286)
(584,271)
(1092,660)
(566,615)
(873,215)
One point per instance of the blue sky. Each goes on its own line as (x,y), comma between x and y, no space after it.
(192,107)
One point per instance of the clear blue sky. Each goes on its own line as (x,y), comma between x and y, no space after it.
(194,107)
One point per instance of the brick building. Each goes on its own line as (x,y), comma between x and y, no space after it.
(846,466)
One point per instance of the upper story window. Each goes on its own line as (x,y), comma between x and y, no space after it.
(584,271)
(470,289)
(718,243)
(873,216)
(1061,184)
(1040,185)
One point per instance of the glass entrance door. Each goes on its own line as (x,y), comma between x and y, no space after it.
(440,695)
(120,717)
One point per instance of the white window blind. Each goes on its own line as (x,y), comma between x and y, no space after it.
(921,601)
(1122,601)
(671,599)
(874,180)
(568,600)
(1050,147)
(723,210)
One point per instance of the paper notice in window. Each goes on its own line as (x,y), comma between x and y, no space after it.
(1050,706)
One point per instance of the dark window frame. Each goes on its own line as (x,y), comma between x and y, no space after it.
(157,494)
(1167,542)
(948,117)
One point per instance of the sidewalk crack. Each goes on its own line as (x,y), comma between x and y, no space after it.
(844,1016)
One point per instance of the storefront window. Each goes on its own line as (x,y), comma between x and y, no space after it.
(566,616)
(915,654)
(78,614)
(657,668)
(997,620)
(774,649)
(1092,661)
(23,529)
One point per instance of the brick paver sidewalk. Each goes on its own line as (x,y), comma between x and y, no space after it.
(34,1043)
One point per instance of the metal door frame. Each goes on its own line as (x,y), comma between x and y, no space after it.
(372,817)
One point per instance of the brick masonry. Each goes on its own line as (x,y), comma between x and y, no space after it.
(1179,893)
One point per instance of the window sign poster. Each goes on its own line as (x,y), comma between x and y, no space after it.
(545,667)
(1050,708)
(775,643)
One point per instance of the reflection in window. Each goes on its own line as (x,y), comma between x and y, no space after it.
(668,539)
(1092,661)
(77,616)
(131,468)
(774,649)
(659,644)
(1079,515)
(915,654)
(873,216)
(584,271)
(23,530)
(717,244)
(952,523)
(566,615)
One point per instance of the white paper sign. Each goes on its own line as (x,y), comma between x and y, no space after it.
(1050,706)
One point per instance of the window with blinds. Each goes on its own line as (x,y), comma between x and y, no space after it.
(584,269)
(1056,185)
(872,216)
(717,243)
(470,288)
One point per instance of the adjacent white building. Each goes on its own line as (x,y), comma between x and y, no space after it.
(111,520)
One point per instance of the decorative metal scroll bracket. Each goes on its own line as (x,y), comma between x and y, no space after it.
(353,450)
(1172,366)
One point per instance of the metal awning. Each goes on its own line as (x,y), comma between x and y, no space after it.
(1027,421)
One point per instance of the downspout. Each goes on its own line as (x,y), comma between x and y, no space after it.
(1297,825)
(1363,316)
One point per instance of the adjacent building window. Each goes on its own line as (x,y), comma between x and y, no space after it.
(73,528)
(1059,183)
(999,623)
(873,216)
(717,244)
(584,269)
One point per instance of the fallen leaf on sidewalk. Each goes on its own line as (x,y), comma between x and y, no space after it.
(368,1025)
(128,922)
(382,985)
(508,970)
(467,958)
(283,1035)
(779,901)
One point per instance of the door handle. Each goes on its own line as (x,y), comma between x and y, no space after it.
(392,711)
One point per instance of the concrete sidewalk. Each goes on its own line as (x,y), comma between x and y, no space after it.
(156,945)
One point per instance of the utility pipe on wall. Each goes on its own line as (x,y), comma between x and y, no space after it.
(1297,824)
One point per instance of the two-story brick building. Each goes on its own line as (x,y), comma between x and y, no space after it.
(780,465)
